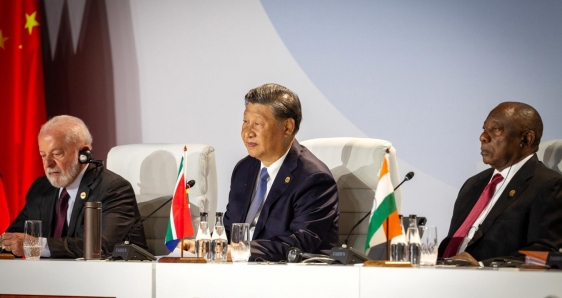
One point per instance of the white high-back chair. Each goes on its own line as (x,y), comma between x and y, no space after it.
(355,164)
(550,153)
(152,170)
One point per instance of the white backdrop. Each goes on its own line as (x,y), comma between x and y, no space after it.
(421,74)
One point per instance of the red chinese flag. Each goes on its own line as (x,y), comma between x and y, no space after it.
(4,216)
(22,100)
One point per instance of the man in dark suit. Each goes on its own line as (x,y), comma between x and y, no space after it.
(299,207)
(515,205)
(58,198)
(286,194)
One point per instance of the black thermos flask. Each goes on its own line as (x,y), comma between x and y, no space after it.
(92,231)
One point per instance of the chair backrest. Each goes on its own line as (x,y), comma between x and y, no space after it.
(355,164)
(152,170)
(550,153)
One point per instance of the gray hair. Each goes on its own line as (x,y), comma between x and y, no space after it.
(74,130)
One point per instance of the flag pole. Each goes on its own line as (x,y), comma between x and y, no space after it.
(185,225)
(387,239)
(387,224)
(184,177)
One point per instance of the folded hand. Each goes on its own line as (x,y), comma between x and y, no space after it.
(466,257)
(13,242)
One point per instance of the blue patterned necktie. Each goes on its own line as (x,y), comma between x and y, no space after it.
(258,196)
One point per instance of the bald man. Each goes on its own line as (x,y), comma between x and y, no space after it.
(517,203)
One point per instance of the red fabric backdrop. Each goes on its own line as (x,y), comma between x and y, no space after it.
(22,101)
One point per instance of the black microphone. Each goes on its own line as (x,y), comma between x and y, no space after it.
(408,177)
(124,250)
(349,255)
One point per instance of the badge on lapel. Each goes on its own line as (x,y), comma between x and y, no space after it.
(287,180)
(83,195)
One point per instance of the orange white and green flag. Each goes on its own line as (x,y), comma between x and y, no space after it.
(384,215)
(180,225)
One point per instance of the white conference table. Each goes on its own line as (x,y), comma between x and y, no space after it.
(256,280)
(77,278)
(165,280)
(459,282)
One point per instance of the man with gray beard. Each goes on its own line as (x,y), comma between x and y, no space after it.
(58,198)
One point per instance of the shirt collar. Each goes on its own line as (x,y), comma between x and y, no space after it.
(274,168)
(511,171)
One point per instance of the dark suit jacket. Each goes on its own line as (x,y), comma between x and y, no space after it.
(301,209)
(119,212)
(527,215)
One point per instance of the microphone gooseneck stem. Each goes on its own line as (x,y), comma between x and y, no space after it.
(408,177)
(137,225)
(355,226)
(405,179)
(188,185)
(146,217)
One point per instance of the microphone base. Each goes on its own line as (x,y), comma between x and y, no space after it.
(347,256)
(4,256)
(131,252)
(181,260)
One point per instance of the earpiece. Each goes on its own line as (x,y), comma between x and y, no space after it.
(524,140)
(84,156)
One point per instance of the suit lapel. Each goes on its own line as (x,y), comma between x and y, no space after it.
(515,187)
(279,185)
(48,208)
(252,176)
(82,196)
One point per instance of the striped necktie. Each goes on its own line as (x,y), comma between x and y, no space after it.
(61,214)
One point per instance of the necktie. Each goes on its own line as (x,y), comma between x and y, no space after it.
(61,213)
(258,196)
(461,233)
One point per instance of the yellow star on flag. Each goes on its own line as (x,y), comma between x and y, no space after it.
(30,21)
(2,39)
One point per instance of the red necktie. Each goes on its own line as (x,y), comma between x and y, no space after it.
(61,213)
(461,233)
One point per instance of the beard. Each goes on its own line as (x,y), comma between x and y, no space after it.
(65,178)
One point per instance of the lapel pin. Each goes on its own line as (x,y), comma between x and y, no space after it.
(83,195)
(512,193)
(287,179)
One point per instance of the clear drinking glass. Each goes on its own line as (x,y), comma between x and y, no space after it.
(240,242)
(32,240)
(429,245)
